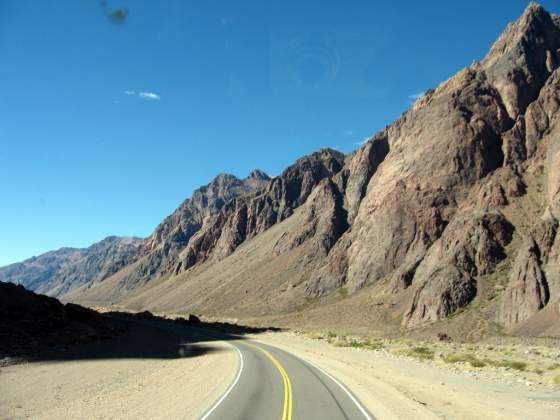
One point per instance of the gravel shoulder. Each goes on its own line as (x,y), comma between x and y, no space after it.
(393,386)
(148,373)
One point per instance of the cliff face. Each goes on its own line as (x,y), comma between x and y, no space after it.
(432,217)
(246,217)
(458,200)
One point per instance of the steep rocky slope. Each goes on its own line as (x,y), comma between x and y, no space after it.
(215,231)
(432,216)
(447,217)
(164,251)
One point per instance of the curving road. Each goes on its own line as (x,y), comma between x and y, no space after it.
(274,384)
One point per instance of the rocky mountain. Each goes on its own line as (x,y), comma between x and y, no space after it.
(446,219)
(35,271)
(163,252)
(57,272)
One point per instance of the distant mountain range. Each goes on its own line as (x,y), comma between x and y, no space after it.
(58,272)
(446,220)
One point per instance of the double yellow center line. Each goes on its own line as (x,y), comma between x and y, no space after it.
(287,411)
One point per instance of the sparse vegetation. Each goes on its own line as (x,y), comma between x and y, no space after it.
(540,367)
(556,379)
(310,300)
(359,344)
(330,336)
(464,358)
(422,353)
(510,364)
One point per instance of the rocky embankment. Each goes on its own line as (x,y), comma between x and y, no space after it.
(31,324)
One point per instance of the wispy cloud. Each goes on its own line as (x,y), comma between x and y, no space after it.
(143,95)
(364,141)
(348,133)
(149,95)
(416,96)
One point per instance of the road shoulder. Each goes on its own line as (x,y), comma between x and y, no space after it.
(156,386)
(392,387)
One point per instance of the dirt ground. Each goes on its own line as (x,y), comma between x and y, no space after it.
(146,374)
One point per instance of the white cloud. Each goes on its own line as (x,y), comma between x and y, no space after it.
(143,95)
(149,95)
(348,133)
(416,96)
(364,141)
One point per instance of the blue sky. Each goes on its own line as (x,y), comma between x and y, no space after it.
(106,127)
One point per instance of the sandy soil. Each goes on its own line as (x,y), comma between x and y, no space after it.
(147,374)
(394,386)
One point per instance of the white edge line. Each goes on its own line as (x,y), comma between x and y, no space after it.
(223,397)
(354,400)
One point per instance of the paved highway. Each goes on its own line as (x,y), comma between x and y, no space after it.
(274,384)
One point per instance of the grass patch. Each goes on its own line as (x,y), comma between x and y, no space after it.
(556,379)
(310,300)
(464,358)
(343,291)
(539,371)
(357,344)
(422,353)
(511,364)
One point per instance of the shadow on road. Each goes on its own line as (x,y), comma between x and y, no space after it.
(34,327)
(132,336)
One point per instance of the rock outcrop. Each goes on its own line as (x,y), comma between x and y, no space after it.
(528,290)
(470,246)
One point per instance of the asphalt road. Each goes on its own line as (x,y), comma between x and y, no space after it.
(274,384)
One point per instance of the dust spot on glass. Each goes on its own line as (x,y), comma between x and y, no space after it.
(116,15)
